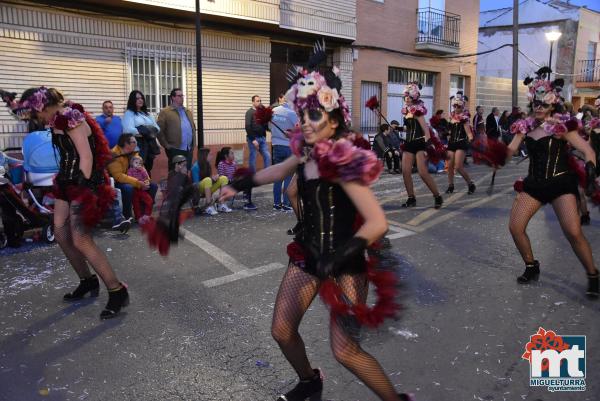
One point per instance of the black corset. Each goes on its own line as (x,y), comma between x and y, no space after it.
(548,157)
(457,132)
(69,157)
(414,132)
(595,143)
(327,215)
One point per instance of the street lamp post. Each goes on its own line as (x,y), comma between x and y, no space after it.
(199,109)
(552,37)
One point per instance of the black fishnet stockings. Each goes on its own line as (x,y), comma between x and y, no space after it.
(296,293)
(567,212)
(78,245)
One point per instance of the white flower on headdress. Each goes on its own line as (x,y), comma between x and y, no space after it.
(550,98)
(328,98)
(308,85)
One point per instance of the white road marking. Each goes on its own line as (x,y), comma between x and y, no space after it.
(215,252)
(399,232)
(215,282)
(429,213)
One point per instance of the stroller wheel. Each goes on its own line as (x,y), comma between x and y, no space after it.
(48,233)
(3,241)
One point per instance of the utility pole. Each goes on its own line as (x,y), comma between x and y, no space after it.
(199,108)
(515,61)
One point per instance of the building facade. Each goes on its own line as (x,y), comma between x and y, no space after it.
(390,34)
(104,49)
(573,54)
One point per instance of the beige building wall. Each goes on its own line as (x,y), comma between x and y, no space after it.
(393,25)
(588,31)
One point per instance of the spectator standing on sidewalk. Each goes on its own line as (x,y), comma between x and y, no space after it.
(110,124)
(492,124)
(177,129)
(139,122)
(285,118)
(256,136)
(479,121)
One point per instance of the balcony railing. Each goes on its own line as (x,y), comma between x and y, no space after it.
(589,71)
(437,30)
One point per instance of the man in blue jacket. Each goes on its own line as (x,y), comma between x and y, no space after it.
(110,124)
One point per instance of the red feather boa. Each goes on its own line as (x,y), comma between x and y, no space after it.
(263,115)
(95,204)
(385,287)
(436,151)
(489,151)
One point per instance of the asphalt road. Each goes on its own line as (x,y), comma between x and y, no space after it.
(198,327)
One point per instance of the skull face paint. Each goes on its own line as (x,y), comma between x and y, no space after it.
(316,126)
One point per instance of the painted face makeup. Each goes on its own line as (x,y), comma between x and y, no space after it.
(316,126)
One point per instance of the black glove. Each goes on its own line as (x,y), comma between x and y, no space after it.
(243,183)
(590,176)
(330,265)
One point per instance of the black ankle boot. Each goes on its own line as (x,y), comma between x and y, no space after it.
(406,397)
(450,189)
(305,389)
(471,188)
(86,285)
(295,230)
(532,272)
(585,219)
(117,299)
(438,201)
(592,291)
(410,202)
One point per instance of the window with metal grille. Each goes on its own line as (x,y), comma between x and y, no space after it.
(404,76)
(155,70)
(155,78)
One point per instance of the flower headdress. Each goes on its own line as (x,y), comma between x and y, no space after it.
(541,89)
(312,90)
(22,110)
(459,100)
(412,90)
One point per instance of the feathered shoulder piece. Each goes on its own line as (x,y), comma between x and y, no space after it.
(71,116)
(343,159)
(463,117)
(522,126)
(416,110)
(557,125)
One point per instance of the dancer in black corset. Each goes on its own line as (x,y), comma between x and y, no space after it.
(81,189)
(417,139)
(547,135)
(460,135)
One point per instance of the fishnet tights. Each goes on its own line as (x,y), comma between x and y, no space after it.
(407,164)
(456,161)
(565,207)
(78,245)
(296,293)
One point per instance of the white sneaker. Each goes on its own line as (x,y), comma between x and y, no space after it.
(224,208)
(211,211)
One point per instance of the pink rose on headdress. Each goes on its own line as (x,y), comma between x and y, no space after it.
(328,98)
(341,152)
(321,148)
(550,98)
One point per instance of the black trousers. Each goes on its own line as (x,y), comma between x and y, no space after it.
(391,156)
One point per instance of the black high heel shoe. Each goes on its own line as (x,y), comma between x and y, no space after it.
(471,188)
(410,202)
(585,219)
(450,189)
(406,397)
(438,201)
(532,272)
(118,298)
(593,291)
(86,285)
(305,389)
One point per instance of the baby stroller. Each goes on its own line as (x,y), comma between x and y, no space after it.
(26,179)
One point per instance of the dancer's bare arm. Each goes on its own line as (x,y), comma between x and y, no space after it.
(375,225)
(580,144)
(469,131)
(423,124)
(514,145)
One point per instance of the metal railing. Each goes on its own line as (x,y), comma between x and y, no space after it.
(437,26)
(589,71)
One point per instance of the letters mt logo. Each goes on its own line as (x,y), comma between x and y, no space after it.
(557,362)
